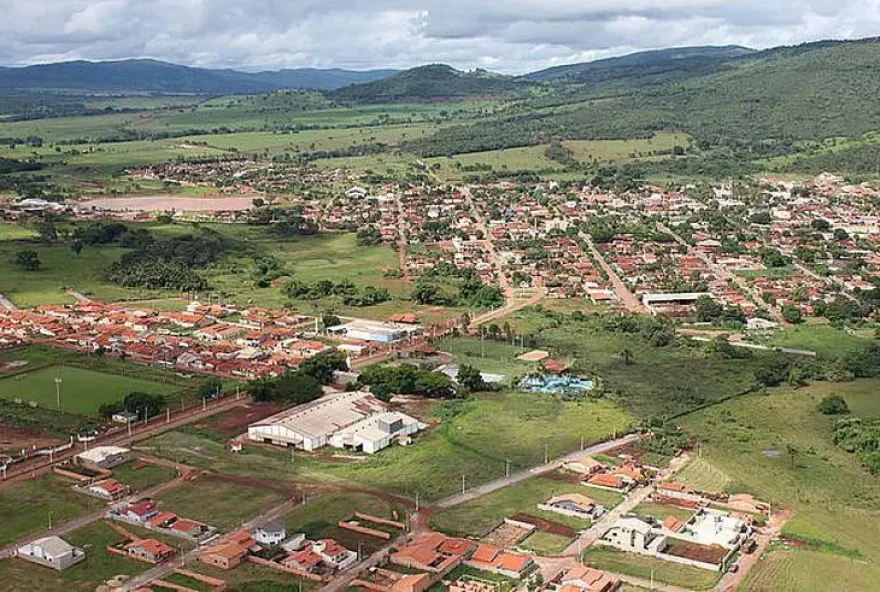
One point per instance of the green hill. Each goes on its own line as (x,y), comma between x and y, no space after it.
(766,99)
(432,82)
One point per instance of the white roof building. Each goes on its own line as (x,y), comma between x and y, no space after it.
(355,420)
(104,457)
(52,552)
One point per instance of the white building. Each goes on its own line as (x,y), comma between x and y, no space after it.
(272,533)
(52,552)
(633,534)
(373,331)
(103,457)
(355,420)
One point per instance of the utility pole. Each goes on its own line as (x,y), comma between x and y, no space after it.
(50,519)
(546,454)
(462,485)
(507,469)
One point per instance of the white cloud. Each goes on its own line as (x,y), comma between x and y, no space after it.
(505,35)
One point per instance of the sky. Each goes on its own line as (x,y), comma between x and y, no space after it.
(509,36)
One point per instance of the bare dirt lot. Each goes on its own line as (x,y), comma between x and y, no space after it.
(546,525)
(165,203)
(707,554)
(12,439)
(235,421)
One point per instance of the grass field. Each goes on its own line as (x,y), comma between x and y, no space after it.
(477,517)
(466,443)
(218,503)
(99,566)
(143,477)
(703,476)
(822,339)
(25,507)
(661,512)
(82,391)
(623,150)
(837,503)
(642,566)
(546,544)
(250,577)
(488,356)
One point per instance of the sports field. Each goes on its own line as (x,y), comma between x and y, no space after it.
(82,391)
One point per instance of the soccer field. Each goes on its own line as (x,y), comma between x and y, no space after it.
(82,391)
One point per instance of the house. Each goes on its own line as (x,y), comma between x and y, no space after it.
(585,466)
(434,552)
(606,481)
(230,553)
(633,534)
(125,417)
(52,552)
(304,560)
(334,554)
(103,457)
(384,580)
(141,511)
(499,561)
(149,550)
(272,533)
(588,579)
(573,504)
(109,489)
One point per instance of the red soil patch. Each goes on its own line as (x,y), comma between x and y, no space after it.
(564,476)
(546,525)
(12,438)
(235,421)
(713,554)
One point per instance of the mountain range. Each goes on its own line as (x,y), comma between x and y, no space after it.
(153,76)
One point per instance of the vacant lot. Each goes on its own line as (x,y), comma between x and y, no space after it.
(220,504)
(319,518)
(82,391)
(477,517)
(27,507)
(836,501)
(140,476)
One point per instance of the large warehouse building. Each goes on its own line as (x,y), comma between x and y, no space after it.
(352,421)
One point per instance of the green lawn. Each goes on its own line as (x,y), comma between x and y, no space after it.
(466,443)
(642,566)
(478,517)
(488,356)
(82,391)
(221,504)
(837,503)
(99,566)
(254,578)
(661,512)
(546,544)
(25,507)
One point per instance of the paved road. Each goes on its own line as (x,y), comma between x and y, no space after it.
(76,523)
(31,468)
(627,298)
(482,490)
(7,303)
(164,569)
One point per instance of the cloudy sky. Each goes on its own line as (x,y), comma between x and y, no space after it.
(511,36)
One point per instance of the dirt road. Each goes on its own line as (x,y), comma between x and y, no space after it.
(7,303)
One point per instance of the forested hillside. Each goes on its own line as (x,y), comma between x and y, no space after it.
(779,96)
(433,82)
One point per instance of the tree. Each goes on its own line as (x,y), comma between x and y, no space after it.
(793,453)
(143,404)
(627,356)
(330,320)
(707,310)
(76,246)
(210,388)
(820,224)
(28,260)
(322,366)
(471,379)
(833,405)
(425,293)
(792,314)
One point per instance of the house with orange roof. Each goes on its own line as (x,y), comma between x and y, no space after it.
(109,489)
(230,553)
(588,579)
(149,550)
(500,561)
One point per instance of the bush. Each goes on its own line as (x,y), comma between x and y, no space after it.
(833,405)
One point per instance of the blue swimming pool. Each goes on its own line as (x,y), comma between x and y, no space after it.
(554,384)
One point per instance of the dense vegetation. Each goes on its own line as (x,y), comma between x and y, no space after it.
(861,437)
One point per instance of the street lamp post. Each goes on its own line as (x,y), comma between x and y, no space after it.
(58,382)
